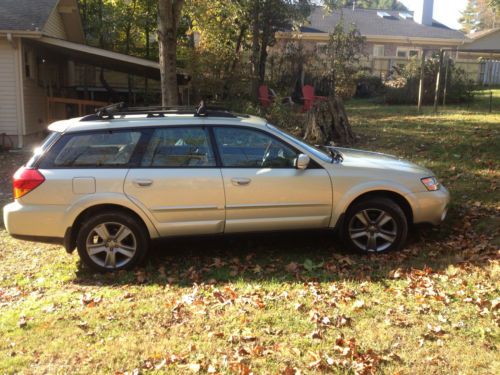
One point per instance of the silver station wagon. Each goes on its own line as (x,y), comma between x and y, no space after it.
(108,184)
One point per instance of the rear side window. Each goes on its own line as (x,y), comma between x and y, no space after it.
(39,151)
(187,147)
(103,149)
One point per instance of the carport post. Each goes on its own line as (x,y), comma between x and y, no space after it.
(438,78)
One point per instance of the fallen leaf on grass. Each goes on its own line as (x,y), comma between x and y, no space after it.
(288,371)
(316,334)
(358,304)
(88,300)
(292,267)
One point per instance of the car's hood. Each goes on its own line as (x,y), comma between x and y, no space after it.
(375,160)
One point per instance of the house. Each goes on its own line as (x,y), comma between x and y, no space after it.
(392,37)
(484,47)
(48,73)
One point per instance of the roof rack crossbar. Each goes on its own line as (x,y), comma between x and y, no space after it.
(121,109)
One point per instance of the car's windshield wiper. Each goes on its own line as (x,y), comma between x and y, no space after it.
(335,154)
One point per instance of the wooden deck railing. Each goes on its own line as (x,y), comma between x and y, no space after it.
(82,107)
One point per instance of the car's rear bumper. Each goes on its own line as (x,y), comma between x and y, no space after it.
(45,221)
(431,206)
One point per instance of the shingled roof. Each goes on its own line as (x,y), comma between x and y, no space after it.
(369,23)
(25,15)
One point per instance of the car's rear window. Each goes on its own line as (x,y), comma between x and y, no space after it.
(102,149)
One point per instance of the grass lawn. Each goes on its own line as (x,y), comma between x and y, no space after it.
(281,303)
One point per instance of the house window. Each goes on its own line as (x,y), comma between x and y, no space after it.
(321,48)
(406,52)
(29,64)
(378,50)
(413,52)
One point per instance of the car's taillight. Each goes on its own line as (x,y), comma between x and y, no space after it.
(25,180)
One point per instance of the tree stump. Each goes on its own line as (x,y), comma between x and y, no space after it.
(327,122)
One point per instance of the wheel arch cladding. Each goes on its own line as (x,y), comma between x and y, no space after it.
(72,233)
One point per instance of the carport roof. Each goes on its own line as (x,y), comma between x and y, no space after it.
(100,57)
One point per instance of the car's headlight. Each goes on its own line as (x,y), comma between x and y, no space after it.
(431,183)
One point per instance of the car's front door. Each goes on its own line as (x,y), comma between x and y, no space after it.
(178,182)
(264,191)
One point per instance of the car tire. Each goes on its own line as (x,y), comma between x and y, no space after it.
(112,241)
(375,225)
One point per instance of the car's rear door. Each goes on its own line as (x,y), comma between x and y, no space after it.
(178,182)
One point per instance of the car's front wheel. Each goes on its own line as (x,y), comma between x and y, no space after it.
(112,241)
(375,225)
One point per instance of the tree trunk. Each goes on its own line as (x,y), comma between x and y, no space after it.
(255,49)
(263,53)
(168,20)
(327,122)
(230,69)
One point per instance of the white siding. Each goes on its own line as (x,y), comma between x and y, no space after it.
(55,26)
(35,102)
(8,90)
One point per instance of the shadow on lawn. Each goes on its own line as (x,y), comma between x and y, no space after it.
(278,257)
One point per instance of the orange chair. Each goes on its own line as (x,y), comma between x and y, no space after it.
(309,97)
(264,98)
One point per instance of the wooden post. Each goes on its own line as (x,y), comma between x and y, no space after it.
(421,83)
(491,83)
(446,79)
(438,78)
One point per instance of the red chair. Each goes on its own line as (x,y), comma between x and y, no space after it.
(309,97)
(264,98)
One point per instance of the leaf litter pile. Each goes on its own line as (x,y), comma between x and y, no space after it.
(278,304)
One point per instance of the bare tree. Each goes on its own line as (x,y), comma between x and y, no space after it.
(169,13)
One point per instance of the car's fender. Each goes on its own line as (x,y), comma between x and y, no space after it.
(119,199)
(343,199)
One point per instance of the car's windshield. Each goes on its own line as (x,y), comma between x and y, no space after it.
(313,150)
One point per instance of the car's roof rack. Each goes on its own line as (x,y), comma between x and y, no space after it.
(114,110)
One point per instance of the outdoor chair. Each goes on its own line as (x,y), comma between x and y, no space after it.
(309,97)
(264,97)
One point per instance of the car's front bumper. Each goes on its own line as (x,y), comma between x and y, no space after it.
(431,206)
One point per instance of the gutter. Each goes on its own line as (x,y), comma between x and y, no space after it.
(20,34)
(385,38)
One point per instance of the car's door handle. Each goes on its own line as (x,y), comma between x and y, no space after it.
(143,182)
(238,181)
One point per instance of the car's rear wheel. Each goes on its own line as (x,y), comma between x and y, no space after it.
(112,241)
(375,225)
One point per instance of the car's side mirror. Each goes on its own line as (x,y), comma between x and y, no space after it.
(302,161)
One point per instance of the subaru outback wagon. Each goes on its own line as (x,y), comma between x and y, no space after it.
(107,184)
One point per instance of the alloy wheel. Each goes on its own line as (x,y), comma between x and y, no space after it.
(373,230)
(111,245)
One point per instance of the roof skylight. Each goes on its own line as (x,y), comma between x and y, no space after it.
(383,14)
(405,15)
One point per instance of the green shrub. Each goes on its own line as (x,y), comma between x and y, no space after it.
(368,86)
(403,85)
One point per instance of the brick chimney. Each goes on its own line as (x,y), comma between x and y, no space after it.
(423,12)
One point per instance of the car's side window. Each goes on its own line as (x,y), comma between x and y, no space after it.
(248,148)
(179,147)
(99,149)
